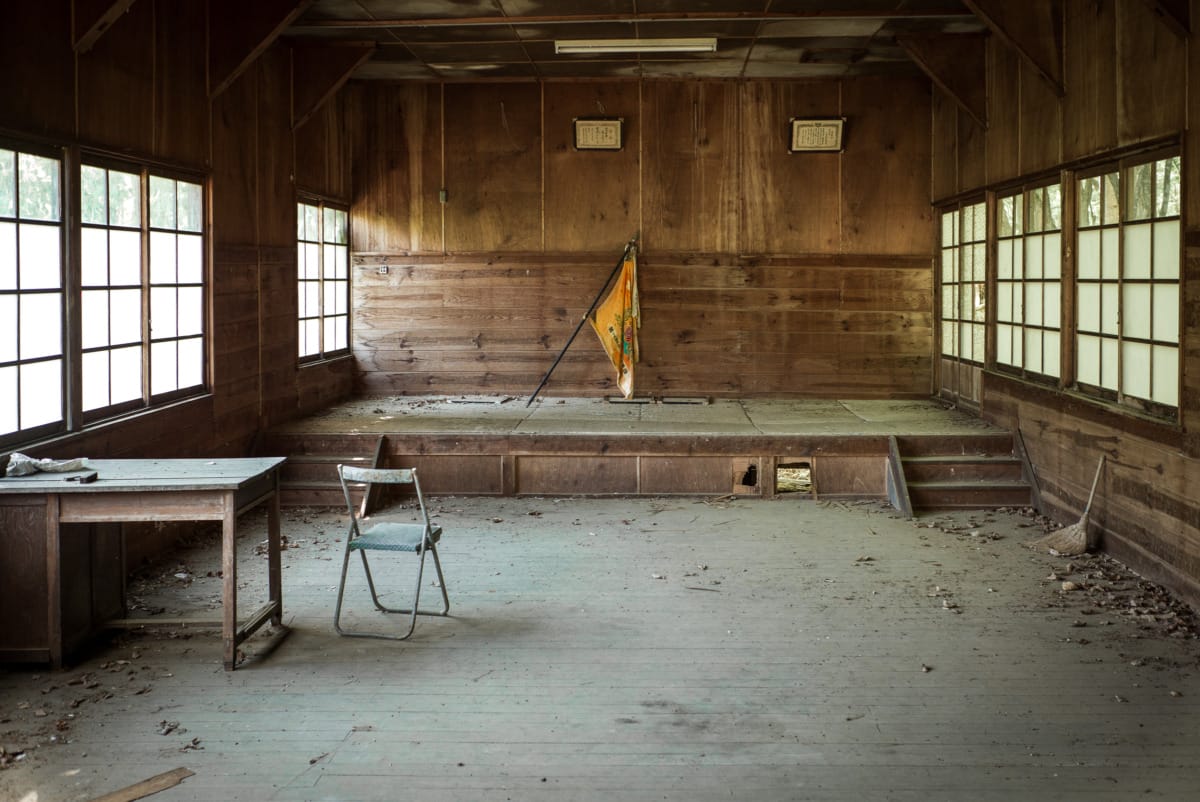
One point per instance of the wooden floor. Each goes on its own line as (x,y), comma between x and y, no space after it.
(646,649)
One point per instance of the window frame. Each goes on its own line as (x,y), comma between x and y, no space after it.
(958,248)
(323,280)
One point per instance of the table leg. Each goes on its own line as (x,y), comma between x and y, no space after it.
(229,587)
(274,549)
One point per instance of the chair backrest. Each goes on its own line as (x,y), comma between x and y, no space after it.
(384,476)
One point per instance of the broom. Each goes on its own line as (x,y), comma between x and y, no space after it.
(1071,540)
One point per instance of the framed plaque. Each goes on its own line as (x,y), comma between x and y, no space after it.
(598,133)
(809,135)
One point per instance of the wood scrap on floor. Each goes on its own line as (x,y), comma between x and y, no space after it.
(148,787)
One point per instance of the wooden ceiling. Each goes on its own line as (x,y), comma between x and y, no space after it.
(430,40)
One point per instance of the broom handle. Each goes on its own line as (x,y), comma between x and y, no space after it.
(1095,482)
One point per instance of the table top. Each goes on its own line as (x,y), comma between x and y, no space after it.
(143,475)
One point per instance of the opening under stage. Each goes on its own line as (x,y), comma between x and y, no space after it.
(488,445)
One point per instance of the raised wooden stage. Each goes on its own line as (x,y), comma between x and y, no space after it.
(587,446)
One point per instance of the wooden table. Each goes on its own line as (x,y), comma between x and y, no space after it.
(131,490)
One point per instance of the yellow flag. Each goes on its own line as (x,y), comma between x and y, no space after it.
(617,320)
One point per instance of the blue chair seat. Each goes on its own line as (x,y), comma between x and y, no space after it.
(389,536)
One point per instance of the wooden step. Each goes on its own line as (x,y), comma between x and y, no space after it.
(962,469)
(938,495)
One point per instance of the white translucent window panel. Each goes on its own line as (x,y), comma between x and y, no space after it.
(1087,358)
(1033,256)
(1089,307)
(966,348)
(125,258)
(1165,389)
(191,258)
(312,336)
(8,328)
(41,325)
(949,338)
(93,257)
(1137,251)
(1004,349)
(94,314)
(1165,327)
(341,296)
(1004,265)
(191,362)
(162,258)
(124,199)
(342,255)
(978,305)
(312,260)
(95,380)
(329,298)
(978,335)
(1033,350)
(1052,303)
(1135,369)
(126,373)
(949,266)
(8,400)
(93,192)
(8,256)
(1135,311)
(978,214)
(163,308)
(330,339)
(38,187)
(1109,308)
(312,222)
(1110,251)
(163,360)
(125,320)
(329,261)
(191,311)
(979,262)
(1108,363)
(1166,249)
(41,393)
(312,298)
(163,202)
(1051,356)
(1018,347)
(1004,304)
(40,257)
(191,206)
(1033,303)
(1052,256)
(1087,257)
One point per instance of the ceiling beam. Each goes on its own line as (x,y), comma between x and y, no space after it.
(957,64)
(1033,28)
(91,18)
(1176,13)
(319,71)
(238,33)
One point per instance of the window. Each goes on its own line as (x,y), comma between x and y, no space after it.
(323,267)
(1127,276)
(964,276)
(1029,280)
(176,286)
(32,355)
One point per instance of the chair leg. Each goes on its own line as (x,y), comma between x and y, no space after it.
(414,611)
(337,611)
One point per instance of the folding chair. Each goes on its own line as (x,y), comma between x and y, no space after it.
(414,538)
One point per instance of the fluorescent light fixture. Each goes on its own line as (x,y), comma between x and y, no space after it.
(589,46)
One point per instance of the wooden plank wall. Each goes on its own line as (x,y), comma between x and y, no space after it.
(762,272)
(1146,501)
(141,93)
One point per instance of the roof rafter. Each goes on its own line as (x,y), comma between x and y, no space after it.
(91,18)
(1176,13)
(957,64)
(239,32)
(319,71)
(1034,28)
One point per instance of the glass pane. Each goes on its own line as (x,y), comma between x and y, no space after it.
(1166,249)
(1165,388)
(191,207)
(1087,357)
(302,346)
(1135,369)
(341,233)
(1051,359)
(1033,350)
(8,328)
(1052,300)
(1135,311)
(1004,344)
(328,343)
(94,257)
(8,208)
(1109,251)
(162,258)
(125,251)
(949,266)
(1165,327)
(1110,210)
(40,257)
(312,334)
(949,338)
(341,293)
(1036,202)
(38,182)
(1109,304)
(191,311)
(8,256)
(1004,304)
(1168,180)
(162,367)
(1089,307)
(1052,256)
(299,221)
(126,310)
(1108,364)
(8,397)
(191,362)
(1004,249)
(1004,221)
(1141,194)
(1089,201)
(1137,251)
(93,195)
(312,224)
(162,202)
(978,334)
(162,312)
(1053,210)
(125,199)
(342,257)
(126,374)
(979,230)
(95,380)
(343,333)
(41,325)
(312,260)
(41,393)
(191,259)
(1033,256)
(948,297)
(95,318)
(1033,303)
(979,262)
(329,266)
(949,229)
(312,298)
(329,298)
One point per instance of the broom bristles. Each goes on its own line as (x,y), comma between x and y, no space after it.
(1069,541)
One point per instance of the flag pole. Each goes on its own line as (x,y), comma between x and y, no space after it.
(628,246)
